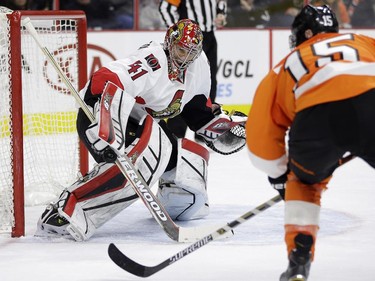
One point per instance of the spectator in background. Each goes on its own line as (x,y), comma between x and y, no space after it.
(41,5)
(17,4)
(262,13)
(149,17)
(281,13)
(125,12)
(361,12)
(103,14)
(244,13)
(339,7)
(29,4)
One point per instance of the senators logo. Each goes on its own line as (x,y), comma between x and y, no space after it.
(173,109)
(152,62)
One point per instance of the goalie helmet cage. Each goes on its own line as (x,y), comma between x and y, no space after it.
(40,152)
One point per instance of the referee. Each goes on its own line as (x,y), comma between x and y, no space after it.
(209,14)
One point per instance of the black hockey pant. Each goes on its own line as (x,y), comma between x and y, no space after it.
(322,134)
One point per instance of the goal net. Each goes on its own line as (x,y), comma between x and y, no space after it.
(40,153)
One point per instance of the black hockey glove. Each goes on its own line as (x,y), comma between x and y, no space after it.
(279,184)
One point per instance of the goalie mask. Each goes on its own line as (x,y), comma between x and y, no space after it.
(183,42)
(317,19)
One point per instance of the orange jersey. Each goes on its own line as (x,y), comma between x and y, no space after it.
(327,67)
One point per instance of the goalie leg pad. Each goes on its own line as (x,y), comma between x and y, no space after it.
(182,190)
(104,192)
(89,215)
(87,204)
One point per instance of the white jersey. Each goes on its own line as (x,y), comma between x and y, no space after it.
(144,76)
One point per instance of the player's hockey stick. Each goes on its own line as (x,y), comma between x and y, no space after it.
(145,271)
(125,165)
(140,270)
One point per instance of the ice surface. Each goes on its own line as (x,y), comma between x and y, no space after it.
(345,247)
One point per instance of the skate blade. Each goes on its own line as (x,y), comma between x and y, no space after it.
(298,277)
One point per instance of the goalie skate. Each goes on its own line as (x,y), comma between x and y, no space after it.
(51,223)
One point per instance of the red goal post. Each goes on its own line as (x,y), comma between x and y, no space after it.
(40,152)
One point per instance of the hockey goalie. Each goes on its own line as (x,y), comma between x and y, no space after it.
(130,99)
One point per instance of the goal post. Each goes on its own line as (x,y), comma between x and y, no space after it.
(40,152)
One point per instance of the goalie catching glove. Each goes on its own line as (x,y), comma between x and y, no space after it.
(225,134)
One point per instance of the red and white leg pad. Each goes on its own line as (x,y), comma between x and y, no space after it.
(88,205)
(183,190)
(104,192)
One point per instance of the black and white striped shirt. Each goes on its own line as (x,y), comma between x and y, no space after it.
(202,11)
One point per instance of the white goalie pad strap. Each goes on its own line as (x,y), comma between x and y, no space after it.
(104,192)
(183,190)
(112,113)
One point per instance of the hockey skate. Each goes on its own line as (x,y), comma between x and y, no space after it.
(51,223)
(299,260)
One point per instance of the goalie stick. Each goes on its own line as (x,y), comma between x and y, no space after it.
(175,232)
(140,270)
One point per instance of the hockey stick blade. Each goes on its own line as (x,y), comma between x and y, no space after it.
(131,266)
(140,270)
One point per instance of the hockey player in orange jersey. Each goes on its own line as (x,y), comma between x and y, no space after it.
(314,106)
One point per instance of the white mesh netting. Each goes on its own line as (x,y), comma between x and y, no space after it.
(50,142)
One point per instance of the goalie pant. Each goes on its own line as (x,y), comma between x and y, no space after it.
(104,192)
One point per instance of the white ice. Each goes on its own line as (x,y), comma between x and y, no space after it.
(345,246)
